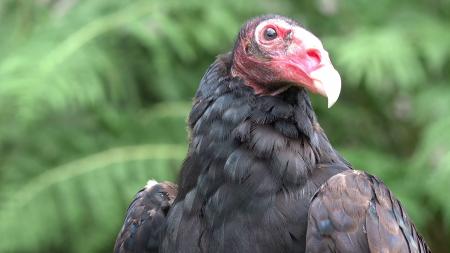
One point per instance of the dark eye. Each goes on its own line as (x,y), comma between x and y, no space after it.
(270,34)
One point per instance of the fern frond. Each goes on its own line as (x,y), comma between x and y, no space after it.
(383,59)
(72,199)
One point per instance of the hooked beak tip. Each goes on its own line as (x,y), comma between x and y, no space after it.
(329,85)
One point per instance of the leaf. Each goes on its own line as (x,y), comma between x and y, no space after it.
(56,205)
(383,58)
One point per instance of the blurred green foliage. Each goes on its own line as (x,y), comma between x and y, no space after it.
(94,97)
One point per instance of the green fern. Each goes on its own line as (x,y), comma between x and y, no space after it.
(90,105)
(78,198)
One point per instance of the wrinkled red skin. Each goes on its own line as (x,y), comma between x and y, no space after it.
(267,65)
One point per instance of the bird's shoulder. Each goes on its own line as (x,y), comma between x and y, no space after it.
(354,211)
(145,218)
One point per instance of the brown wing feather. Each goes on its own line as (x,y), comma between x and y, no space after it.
(355,212)
(145,219)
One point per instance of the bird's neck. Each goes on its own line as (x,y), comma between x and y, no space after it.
(259,143)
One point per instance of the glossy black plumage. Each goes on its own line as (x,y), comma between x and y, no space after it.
(253,166)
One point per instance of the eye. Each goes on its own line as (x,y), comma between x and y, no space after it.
(270,34)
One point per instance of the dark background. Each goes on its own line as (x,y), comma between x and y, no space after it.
(94,96)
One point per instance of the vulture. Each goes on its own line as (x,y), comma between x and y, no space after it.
(260,174)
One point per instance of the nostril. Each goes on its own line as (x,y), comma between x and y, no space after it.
(314,54)
(288,34)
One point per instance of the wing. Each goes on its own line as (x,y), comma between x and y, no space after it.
(355,212)
(146,218)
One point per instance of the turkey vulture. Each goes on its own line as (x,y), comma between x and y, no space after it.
(260,174)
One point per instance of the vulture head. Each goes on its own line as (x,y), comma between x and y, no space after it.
(273,53)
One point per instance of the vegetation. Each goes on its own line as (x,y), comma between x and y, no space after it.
(94,97)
